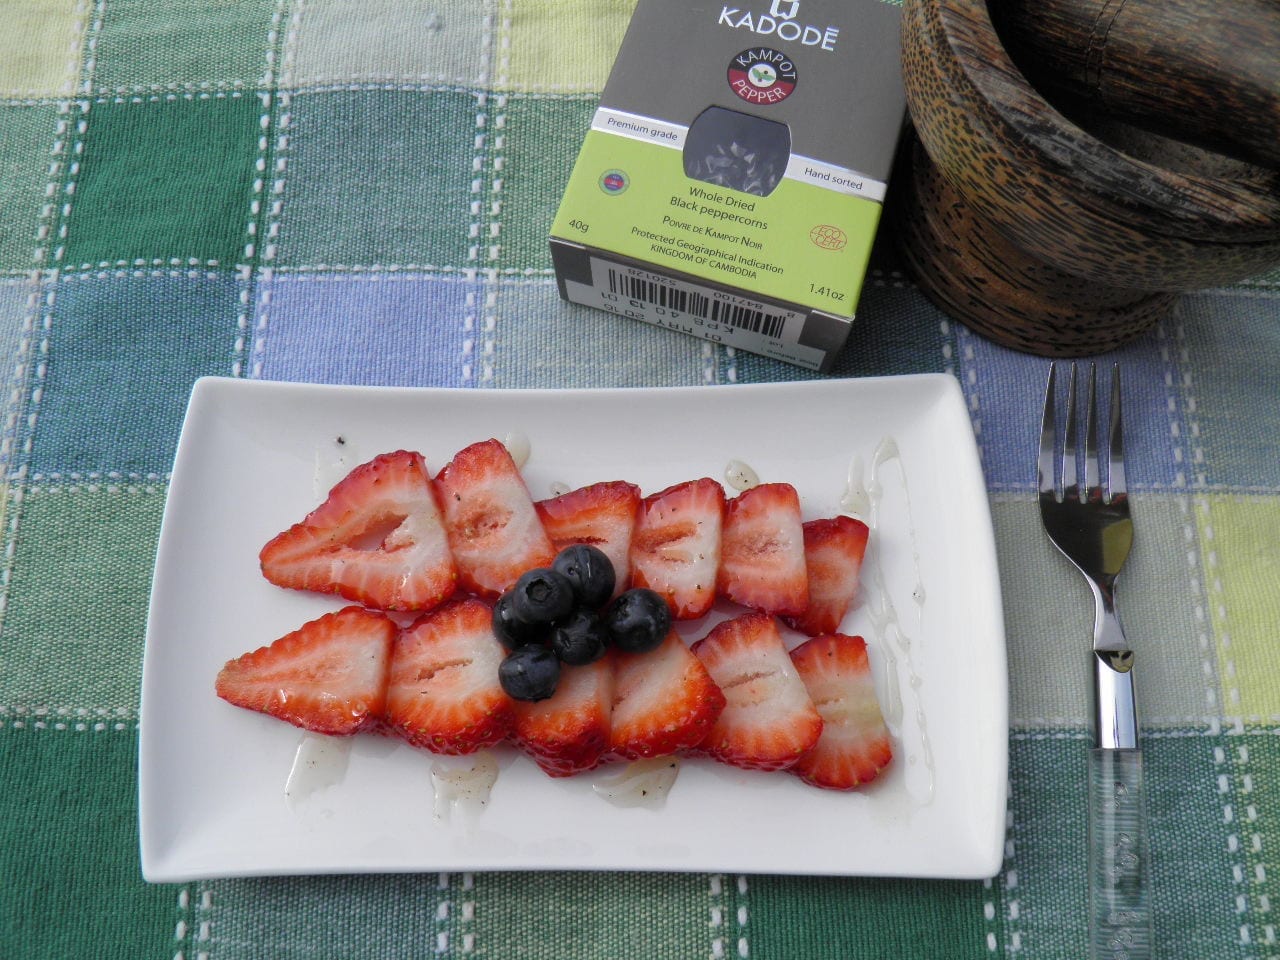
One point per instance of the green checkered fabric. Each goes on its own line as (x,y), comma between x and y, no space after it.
(360,193)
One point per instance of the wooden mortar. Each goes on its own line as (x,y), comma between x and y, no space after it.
(1205,72)
(1078,243)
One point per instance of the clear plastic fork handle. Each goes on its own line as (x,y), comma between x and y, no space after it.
(1120,925)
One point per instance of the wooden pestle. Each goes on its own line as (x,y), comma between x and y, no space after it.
(1206,72)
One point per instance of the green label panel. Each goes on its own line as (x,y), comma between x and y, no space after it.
(803,243)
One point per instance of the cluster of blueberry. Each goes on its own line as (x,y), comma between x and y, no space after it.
(558,614)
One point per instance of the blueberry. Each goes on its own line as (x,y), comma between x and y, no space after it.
(511,630)
(638,621)
(541,596)
(590,572)
(579,638)
(529,673)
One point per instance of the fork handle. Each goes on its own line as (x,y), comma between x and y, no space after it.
(1119,869)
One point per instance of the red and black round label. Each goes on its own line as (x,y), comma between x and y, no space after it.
(762,75)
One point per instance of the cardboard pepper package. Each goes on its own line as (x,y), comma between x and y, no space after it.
(731,184)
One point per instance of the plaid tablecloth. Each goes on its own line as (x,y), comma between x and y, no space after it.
(345,192)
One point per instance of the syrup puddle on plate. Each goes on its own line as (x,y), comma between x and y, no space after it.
(644,783)
(461,785)
(319,762)
(863,496)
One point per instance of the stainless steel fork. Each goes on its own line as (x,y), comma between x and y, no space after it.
(1090,524)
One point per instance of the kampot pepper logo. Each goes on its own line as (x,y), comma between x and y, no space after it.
(762,75)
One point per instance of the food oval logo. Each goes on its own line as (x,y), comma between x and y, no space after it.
(828,237)
(762,76)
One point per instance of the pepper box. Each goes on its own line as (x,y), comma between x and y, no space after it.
(732,180)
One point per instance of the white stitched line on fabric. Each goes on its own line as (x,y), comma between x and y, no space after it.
(30,313)
(263,321)
(989,912)
(490,322)
(965,343)
(1210,593)
(715,890)
(1006,491)
(182,928)
(74,476)
(469,337)
(1217,598)
(467,920)
(131,489)
(67,277)
(948,352)
(1014,907)
(91,45)
(442,914)
(269,187)
(143,262)
(386,271)
(742,916)
(204,922)
(174,97)
(477,218)
(499,133)
(27,98)
(275,203)
(708,362)
(72,69)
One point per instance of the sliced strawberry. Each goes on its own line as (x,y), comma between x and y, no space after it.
(664,701)
(675,549)
(329,675)
(762,551)
(493,528)
(443,692)
(602,515)
(833,552)
(378,539)
(768,720)
(854,746)
(568,732)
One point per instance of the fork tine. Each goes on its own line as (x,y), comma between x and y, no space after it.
(1093,488)
(1044,463)
(1070,486)
(1115,455)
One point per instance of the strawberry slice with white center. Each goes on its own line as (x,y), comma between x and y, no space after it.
(855,745)
(443,692)
(833,553)
(569,731)
(378,539)
(675,549)
(602,515)
(768,720)
(328,676)
(493,528)
(664,701)
(762,558)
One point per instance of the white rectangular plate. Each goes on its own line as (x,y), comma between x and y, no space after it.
(255,457)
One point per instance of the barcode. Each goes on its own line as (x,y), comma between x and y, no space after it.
(696,304)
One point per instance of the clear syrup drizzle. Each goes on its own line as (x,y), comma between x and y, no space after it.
(320,761)
(740,476)
(462,783)
(517,444)
(863,495)
(644,783)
